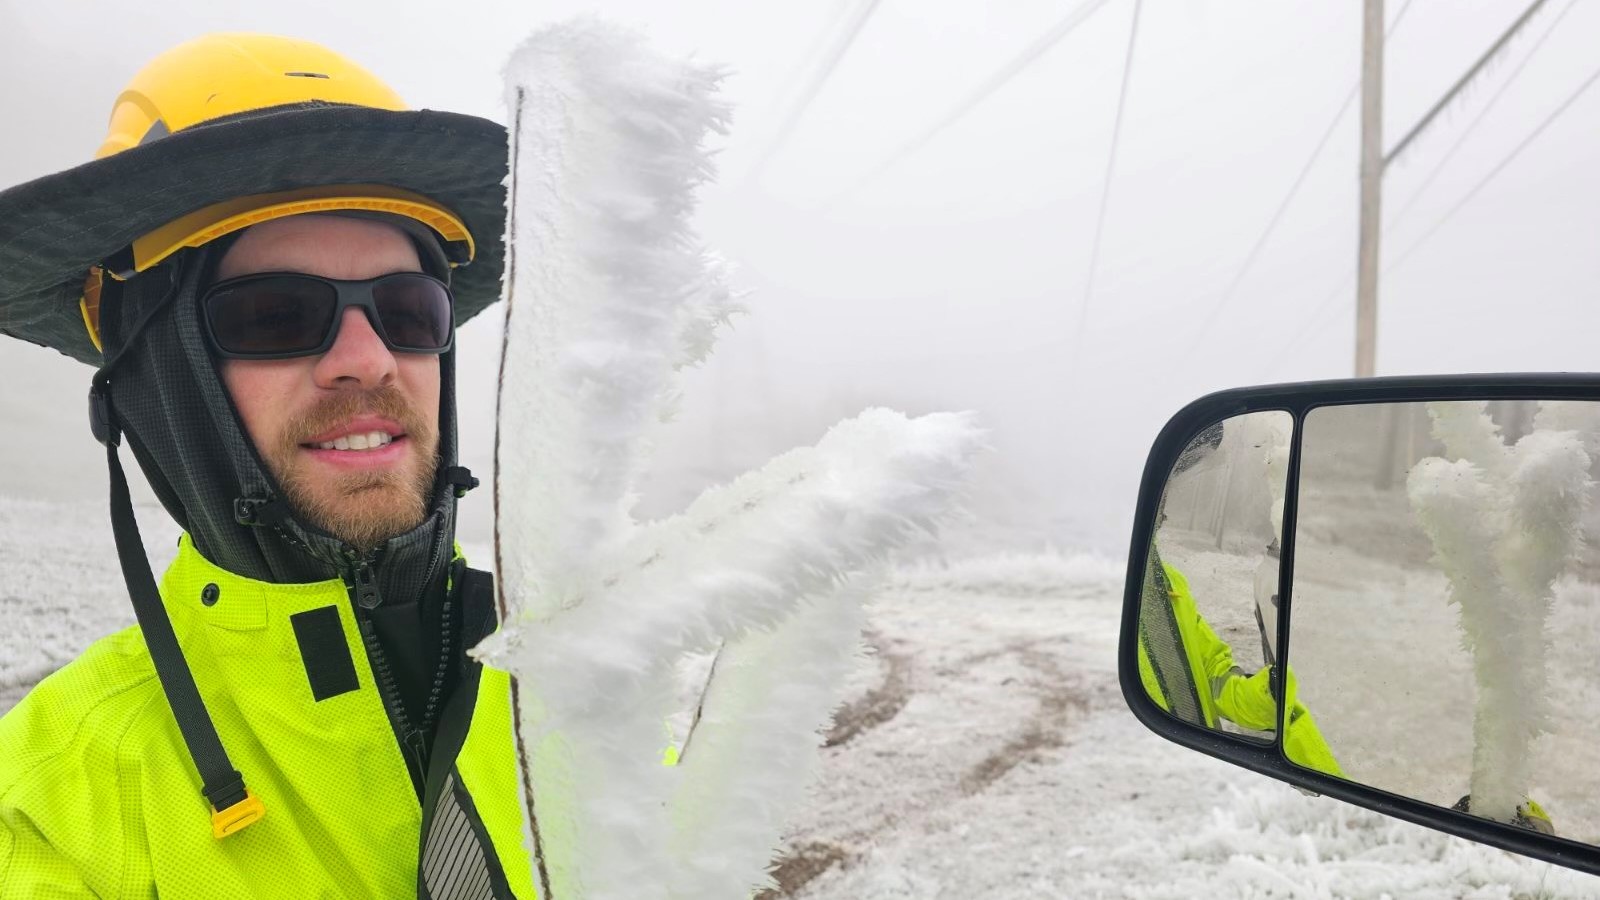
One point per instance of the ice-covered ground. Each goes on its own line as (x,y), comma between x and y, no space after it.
(985,750)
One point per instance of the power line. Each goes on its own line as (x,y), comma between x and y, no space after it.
(993,83)
(1288,199)
(1105,188)
(1500,167)
(1477,120)
(1277,216)
(807,61)
(1312,322)
(1395,22)
(1327,302)
(853,29)
(1463,81)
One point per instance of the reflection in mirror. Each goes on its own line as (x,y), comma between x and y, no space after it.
(1446,607)
(1207,619)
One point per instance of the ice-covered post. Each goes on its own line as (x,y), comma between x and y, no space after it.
(1504,521)
(609,294)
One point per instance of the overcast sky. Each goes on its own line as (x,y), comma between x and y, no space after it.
(955,277)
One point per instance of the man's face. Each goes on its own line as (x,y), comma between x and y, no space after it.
(295,410)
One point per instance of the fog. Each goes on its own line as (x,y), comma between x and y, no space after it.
(954,278)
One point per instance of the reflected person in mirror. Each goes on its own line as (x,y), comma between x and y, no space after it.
(1190,672)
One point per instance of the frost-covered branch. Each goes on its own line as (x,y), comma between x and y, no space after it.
(774,693)
(1468,433)
(608,290)
(776,549)
(1456,507)
(1504,522)
(609,296)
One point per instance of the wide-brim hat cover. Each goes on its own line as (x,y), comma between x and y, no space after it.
(53,229)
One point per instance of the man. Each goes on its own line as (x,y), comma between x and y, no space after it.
(1190,672)
(267,262)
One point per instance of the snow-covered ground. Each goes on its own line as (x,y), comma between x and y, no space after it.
(985,750)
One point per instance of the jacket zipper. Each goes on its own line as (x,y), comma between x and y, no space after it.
(441,671)
(363,585)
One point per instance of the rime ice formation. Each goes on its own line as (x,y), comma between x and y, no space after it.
(609,294)
(1504,521)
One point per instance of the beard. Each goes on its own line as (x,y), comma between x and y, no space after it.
(363,509)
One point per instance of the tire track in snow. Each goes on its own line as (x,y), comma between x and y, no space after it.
(801,865)
(877,706)
(1061,699)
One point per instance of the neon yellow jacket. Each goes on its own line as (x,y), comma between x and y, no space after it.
(98,796)
(1225,691)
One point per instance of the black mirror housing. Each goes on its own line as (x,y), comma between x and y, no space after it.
(1182,433)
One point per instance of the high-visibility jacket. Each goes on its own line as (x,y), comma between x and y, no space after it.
(1224,690)
(99,797)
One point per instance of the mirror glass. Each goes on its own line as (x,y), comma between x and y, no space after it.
(1445,604)
(1207,616)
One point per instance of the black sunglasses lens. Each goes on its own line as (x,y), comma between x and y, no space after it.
(279,314)
(415,311)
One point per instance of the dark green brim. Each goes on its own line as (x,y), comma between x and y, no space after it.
(54,228)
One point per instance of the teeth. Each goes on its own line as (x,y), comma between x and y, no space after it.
(372,440)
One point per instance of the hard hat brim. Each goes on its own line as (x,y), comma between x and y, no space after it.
(53,229)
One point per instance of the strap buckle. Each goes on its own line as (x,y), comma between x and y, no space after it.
(236,818)
(461,479)
(262,511)
(102,421)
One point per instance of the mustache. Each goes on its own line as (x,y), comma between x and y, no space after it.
(331,411)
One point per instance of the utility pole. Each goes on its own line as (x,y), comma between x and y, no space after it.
(1375,162)
(1371,189)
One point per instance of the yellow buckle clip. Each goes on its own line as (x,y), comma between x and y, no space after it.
(237,817)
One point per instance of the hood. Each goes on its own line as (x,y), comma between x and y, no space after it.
(191,444)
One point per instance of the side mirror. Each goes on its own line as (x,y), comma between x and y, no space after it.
(1381,590)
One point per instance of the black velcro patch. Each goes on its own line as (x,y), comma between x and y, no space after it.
(324,652)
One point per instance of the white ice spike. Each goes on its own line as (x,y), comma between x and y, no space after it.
(1504,523)
(609,295)
(605,281)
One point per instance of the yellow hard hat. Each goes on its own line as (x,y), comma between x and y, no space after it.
(223,75)
(214,125)
(226,74)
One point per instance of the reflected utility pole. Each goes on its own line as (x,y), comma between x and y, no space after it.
(1372,165)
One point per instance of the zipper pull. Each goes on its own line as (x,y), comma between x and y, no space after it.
(419,753)
(365,584)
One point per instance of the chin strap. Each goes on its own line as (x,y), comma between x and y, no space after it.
(233,806)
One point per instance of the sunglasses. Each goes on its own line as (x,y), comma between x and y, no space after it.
(282,315)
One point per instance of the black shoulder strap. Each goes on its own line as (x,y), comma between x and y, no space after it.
(234,807)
